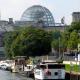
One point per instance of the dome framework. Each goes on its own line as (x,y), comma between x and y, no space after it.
(38,14)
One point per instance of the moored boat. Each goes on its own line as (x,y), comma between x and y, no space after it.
(49,70)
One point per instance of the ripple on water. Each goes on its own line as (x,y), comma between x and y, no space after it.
(6,75)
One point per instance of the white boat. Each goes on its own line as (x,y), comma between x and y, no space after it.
(29,67)
(29,70)
(6,64)
(49,71)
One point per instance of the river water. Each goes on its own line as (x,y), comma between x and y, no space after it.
(6,75)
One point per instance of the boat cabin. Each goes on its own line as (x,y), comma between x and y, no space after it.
(50,70)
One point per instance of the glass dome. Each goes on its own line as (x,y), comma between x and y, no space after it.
(38,14)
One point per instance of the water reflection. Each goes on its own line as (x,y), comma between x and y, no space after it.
(6,75)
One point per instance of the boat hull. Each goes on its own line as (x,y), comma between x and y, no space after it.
(50,72)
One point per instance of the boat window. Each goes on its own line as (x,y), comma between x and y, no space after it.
(28,67)
(51,66)
(43,66)
(56,66)
(56,73)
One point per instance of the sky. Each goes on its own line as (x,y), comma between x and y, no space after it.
(59,8)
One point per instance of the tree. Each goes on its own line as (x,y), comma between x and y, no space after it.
(32,42)
(64,40)
(55,44)
(74,26)
(73,40)
(55,39)
(55,34)
(8,40)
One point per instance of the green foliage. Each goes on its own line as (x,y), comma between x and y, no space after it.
(8,40)
(55,39)
(58,40)
(64,40)
(31,42)
(74,26)
(74,32)
(55,44)
(55,34)
(73,40)
(74,68)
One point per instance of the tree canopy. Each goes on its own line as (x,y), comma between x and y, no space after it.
(8,40)
(73,40)
(33,41)
(74,26)
(30,42)
(55,39)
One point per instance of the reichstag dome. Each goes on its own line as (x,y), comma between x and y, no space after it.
(38,14)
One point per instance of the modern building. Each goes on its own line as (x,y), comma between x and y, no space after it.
(35,16)
(39,16)
(75,16)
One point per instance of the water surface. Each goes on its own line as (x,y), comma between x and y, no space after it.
(6,75)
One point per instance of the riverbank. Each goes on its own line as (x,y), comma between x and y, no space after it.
(72,66)
(72,76)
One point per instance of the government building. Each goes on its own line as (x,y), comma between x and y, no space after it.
(38,16)
(35,16)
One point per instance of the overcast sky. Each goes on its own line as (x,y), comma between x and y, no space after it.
(59,8)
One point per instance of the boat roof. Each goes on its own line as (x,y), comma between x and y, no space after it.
(49,61)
